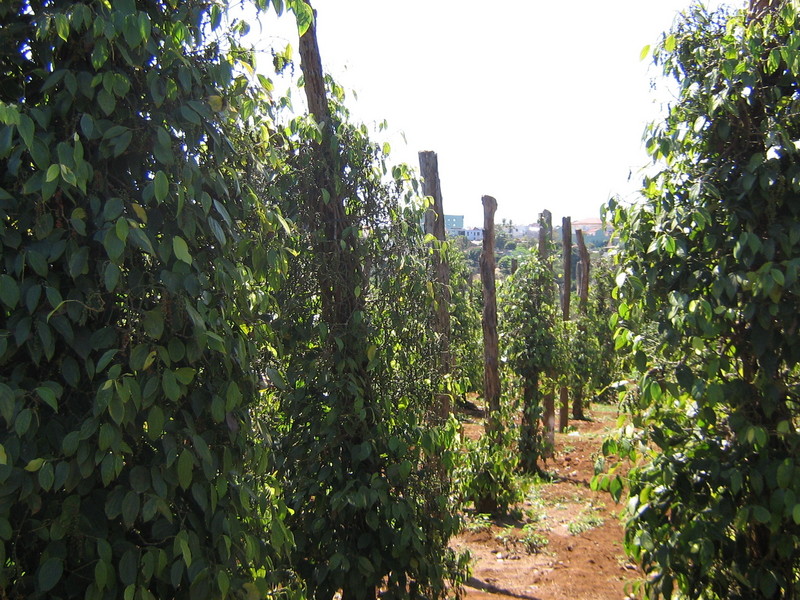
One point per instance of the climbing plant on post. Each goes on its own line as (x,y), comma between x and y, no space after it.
(566,296)
(130,334)
(355,372)
(712,256)
(545,243)
(584,346)
(434,226)
(491,366)
(529,340)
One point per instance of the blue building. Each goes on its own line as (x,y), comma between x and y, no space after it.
(453,223)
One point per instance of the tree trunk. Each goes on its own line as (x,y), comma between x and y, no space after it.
(434,225)
(566,294)
(491,375)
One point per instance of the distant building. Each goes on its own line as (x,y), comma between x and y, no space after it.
(593,231)
(453,223)
(589,226)
(515,231)
(473,235)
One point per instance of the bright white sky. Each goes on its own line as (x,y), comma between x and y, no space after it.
(539,104)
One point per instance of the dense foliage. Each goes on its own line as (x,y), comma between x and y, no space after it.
(532,344)
(366,474)
(589,356)
(132,280)
(465,325)
(712,256)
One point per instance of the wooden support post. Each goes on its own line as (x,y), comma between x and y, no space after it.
(545,234)
(434,225)
(566,293)
(491,374)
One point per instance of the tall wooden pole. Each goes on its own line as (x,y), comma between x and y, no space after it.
(545,234)
(434,225)
(549,414)
(491,373)
(566,293)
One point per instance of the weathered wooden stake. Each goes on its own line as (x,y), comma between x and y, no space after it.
(434,225)
(566,293)
(545,234)
(491,374)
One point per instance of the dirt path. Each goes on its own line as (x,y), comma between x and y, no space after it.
(566,542)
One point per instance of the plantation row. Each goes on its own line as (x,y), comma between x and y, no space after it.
(222,366)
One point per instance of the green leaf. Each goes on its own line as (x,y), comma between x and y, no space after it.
(155,422)
(49,574)
(615,488)
(116,409)
(34,465)
(79,262)
(106,101)
(185,375)
(46,476)
(62,26)
(761,514)
(785,473)
(181,250)
(25,128)
(161,184)
(111,276)
(276,378)
(53,171)
(645,51)
(170,385)
(130,508)
(304,15)
(154,323)
(185,466)
(48,396)
(101,574)
(9,291)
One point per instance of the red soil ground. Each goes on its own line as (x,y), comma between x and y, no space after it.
(566,543)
